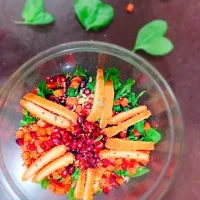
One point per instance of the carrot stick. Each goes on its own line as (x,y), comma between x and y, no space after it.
(51,106)
(63,161)
(128,145)
(114,130)
(99,98)
(126,115)
(45,115)
(107,110)
(88,193)
(98,176)
(79,189)
(136,155)
(54,153)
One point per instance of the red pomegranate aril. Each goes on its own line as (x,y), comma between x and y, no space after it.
(64,174)
(70,137)
(48,78)
(51,85)
(124,164)
(71,169)
(95,134)
(32,147)
(96,124)
(98,160)
(106,162)
(89,154)
(88,106)
(113,175)
(90,142)
(55,135)
(96,154)
(78,156)
(83,150)
(83,84)
(77,130)
(106,190)
(115,184)
(69,107)
(68,143)
(98,146)
(79,144)
(20,141)
(82,164)
(65,137)
(87,91)
(43,145)
(84,138)
(122,134)
(74,145)
(56,130)
(34,135)
(80,119)
(51,80)
(89,148)
(56,141)
(92,161)
(111,180)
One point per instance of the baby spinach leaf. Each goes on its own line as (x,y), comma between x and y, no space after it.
(76,173)
(110,71)
(80,72)
(44,183)
(91,85)
(33,13)
(99,191)
(152,136)
(139,126)
(71,92)
(117,108)
(93,14)
(124,89)
(133,99)
(70,194)
(151,39)
(131,136)
(27,119)
(42,90)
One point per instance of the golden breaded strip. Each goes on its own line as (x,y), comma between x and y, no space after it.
(79,189)
(126,115)
(128,145)
(63,161)
(114,130)
(45,115)
(89,192)
(51,106)
(136,155)
(54,153)
(108,105)
(98,176)
(99,97)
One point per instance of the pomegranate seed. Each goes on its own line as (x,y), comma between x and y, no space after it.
(43,145)
(80,119)
(89,148)
(51,86)
(98,130)
(113,175)
(95,134)
(34,135)
(48,78)
(68,143)
(106,190)
(55,135)
(98,146)
(77,130)
(98,160)
(92,161)
(84,112)
(96,124)
(49,143)
(51,80)
(83,84)
(84,138)
(83,150)
(122,134)
(65,137)
(69,107)
(64,174)
(56,130)
(79,144)
(104,176)
(132,163)
(74,145)
(87,91)
(78,156)
(32,147)
(88,106)
(70,137)
(89,154)
(71,169)
(115,184)
(111,180)
(106,162)
(56,141)
(90,142)
(20,141)
(96,154)
(124,163)
(82,164)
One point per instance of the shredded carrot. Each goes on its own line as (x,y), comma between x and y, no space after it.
(72,100)
(124,102)
(58,93)
(146,126)
(74,84)
(20,134)
(27,137)
(130,7)
(78,108)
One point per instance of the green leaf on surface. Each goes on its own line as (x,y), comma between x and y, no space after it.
(80,72)
(152,136)
(42,90)
(44,183)
(151,39)
(139,126)
(76,173)
(27,119)
(124,89)
(70,194)
(71,92)
(93,14)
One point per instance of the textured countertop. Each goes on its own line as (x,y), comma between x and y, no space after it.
(181,68)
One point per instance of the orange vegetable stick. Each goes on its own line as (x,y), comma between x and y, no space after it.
(99,98)
(54,153)
(79,189)
(136,155)
(114,130)
(63,161)
(45,115)
(120,144)
(51,106)
(107,110)
(88,193)
(126,115)
(97,179)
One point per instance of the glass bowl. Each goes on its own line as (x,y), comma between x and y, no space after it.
(65,58)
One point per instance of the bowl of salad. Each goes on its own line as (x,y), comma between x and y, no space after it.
(88,120)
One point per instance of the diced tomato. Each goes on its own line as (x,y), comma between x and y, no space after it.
(122,134)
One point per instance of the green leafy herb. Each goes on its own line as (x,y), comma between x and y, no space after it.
(152,136)
(133,99)
(98,138)
(44,183)
(93,14)
(27,119)
(33,13)
(42,90)
(75,175)
(80,72)
(117,108)
(71,92)
(139,172)
(91,85)
(124,89)
(99,191)
(125,109)
(70,194)
(139,126)
(151,39)
(131,136)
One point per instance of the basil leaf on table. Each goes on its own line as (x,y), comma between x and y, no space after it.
(42,90)
(70,194)
(27,119)
(152,136)
(151,39)
(124,89)
(93,14)
(33,13)
(44,183)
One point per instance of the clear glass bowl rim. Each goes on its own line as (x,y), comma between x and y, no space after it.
(111,49)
